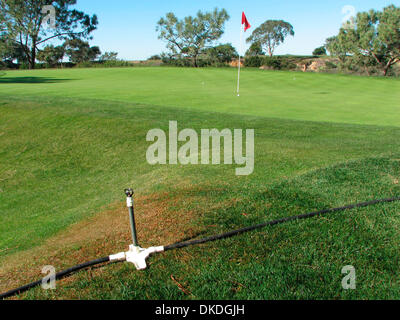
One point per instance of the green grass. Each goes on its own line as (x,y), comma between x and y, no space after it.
(288,95)
(72,140)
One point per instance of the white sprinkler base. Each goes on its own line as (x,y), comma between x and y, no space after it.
(136,255)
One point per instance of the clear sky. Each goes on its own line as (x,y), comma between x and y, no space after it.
(128,26)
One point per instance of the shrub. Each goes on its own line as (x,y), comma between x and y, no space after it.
(273,62)
(8,65)
(176,62)
(330,65)
(287,64)
(155,57)
(320,51)
(116,63)
(187,62)
(254,61)
(104,64)
(279,63)
(220,55)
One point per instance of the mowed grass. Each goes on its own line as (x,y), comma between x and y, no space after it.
(288,95)
(72,140)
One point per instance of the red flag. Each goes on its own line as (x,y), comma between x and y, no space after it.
(245,22)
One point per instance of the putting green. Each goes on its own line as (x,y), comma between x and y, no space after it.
(289,95)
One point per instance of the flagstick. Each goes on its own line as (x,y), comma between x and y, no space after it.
(240,50)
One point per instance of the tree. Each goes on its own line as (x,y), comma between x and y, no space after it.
(188,37)
(23,22)
(271,34)
(109,56)
(51,55)
(255,50)
(373,40)
(10,51)
(388,39)
(320,51)
(155,57)
(340,47)
(223,53)
(79,51)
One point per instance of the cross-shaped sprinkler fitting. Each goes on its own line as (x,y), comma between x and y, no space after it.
(136,254)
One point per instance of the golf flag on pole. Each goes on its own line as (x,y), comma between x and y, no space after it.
(245,22)
(245,26)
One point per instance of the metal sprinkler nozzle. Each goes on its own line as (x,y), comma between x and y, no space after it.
(129,193)
(129,202)
(136,254)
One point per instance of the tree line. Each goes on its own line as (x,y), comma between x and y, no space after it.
(191,40)
(370,42)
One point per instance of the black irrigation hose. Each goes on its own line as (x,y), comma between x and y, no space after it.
(179,245)
(274,222)
(59,275)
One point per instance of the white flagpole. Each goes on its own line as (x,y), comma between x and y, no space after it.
(240,52)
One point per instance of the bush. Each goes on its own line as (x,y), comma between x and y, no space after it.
(320,51)
(116,63)
(279,63)
(68,65)
(104,64)
(254,61)
(24,66)
(155,57)
(176,62)
(86,64)
(186,62)
(330,65)
(273,62)
(220,55)
(8,65)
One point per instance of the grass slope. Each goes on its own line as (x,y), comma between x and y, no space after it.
(65,154)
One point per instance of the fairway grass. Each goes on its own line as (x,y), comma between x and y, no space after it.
(72,140)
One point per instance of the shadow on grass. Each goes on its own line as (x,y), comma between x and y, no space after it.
(31,80)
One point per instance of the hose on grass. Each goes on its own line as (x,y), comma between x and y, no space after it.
(58,276)
(180,245)
(275,222)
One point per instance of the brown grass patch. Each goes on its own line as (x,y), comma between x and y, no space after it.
(161,219)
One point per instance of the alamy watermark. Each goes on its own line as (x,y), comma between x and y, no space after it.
(349,13)
(49,281)
(349,281)
(197,150)
(49,19)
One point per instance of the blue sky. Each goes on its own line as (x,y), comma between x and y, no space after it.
(128,26)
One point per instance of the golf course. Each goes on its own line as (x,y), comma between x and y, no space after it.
(71,141)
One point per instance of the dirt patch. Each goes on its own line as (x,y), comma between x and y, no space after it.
(235,63)
(160,218)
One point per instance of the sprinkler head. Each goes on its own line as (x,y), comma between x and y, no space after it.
(129,193)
